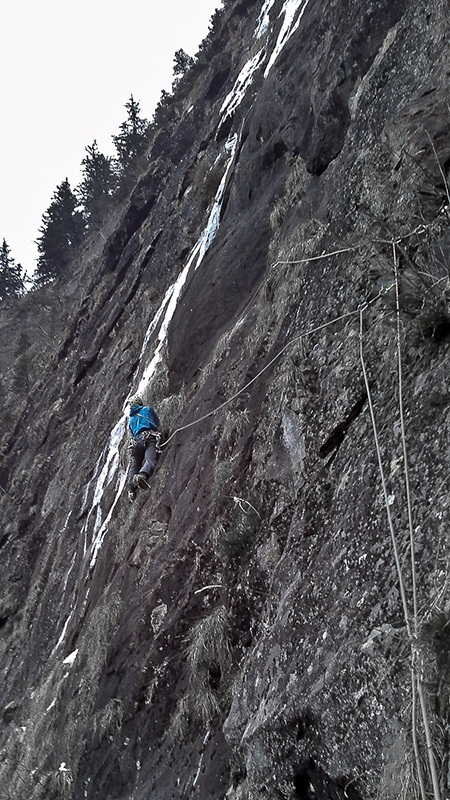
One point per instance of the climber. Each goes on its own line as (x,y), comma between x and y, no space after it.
(143,424)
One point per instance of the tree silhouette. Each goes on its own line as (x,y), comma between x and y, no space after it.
(11,274)
(98,185)
(163,111)
(181,62)
(130,144)
(62,232)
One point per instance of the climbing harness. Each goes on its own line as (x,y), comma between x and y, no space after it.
(144,437)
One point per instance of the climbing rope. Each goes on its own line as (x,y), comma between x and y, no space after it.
(411,624)
(316,258)
(272,361)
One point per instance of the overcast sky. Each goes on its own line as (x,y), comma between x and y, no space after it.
(67,69)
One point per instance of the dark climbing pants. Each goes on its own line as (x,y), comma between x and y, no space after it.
(144,456)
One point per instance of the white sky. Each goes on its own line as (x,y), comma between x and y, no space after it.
(67,70)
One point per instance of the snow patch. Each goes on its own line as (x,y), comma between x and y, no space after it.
(164,313)
(263,20)
(111,463)
(289,26)
(241,84)
(71,658)
(98,541)
(63,633)
(197,775)
(66,579)
(196,256)
(214,218)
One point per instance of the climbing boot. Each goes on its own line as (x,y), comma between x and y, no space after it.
(141,480)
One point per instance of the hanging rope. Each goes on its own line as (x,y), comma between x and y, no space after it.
(272,361)
(316,258)
(417,688)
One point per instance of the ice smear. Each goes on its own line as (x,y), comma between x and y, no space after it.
(287,29)
(106,476)
(170,300)
(293,12)
(197,775)
(112,459)
(242,82)
(169,304)
(103,476)
(98,541)
(196,256)
(66,624)
(263,19)
(88,485)
(63,633)
(67,521)
(166,312)
(66,579)
(155,321)
(214,217)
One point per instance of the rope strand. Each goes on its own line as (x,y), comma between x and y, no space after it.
(272,361)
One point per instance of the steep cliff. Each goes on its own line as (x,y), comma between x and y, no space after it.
(269,619)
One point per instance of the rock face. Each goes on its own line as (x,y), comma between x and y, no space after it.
(270,619)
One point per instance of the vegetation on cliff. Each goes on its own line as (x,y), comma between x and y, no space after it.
(270,619)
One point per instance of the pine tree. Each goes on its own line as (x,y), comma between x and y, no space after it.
(11,274)
(97,187)
(62,233)
(181,62)
(130,144)
(163,111)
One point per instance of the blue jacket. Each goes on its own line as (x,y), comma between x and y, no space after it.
(142,418)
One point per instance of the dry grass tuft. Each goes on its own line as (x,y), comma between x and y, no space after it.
(108,721)
(208,655)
